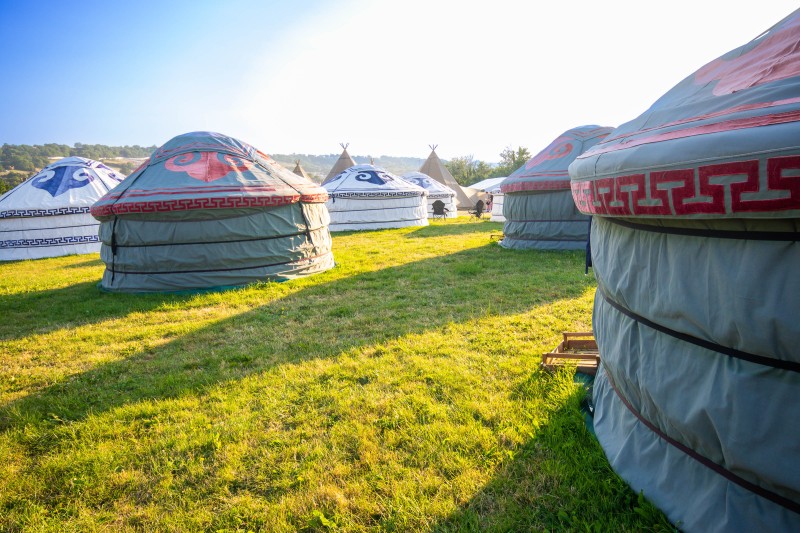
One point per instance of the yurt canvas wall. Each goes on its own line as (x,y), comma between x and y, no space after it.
(436,192)
(48,214)
(537,203)
(368,197)
(209,211)
(696,245)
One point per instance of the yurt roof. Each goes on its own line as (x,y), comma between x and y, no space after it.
(206,171)
(434,168)
(548,170)
(343,163)
(370,181)
(721,143)
(434,188)
(68,186)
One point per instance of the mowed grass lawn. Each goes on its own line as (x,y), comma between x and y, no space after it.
(399,391)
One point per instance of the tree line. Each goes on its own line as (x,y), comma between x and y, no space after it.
(468,170)
(27,158)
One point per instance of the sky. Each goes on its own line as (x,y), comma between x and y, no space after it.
(387,77)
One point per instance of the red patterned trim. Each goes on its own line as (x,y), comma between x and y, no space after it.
(717,127)
(548,185)
(316,198)
(722,189)
(189,204)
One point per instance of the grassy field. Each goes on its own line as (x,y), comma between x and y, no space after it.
(399,391)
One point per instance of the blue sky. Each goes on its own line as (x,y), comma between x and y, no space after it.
(387,77)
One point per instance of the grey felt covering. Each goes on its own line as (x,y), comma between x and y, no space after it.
(173,255)
(740,415)
(543,220)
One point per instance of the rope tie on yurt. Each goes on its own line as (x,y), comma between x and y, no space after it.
(114,249)
(767,494)
(781,364)
(781,236)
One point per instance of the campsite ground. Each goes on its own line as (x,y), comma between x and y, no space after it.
(399,391)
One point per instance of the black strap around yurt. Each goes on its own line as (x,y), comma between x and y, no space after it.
(781,364)
(784,502)
(784,236)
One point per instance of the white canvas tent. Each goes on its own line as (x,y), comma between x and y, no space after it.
(433,167)
(368,197)
(436,192)
(48,214)
(491,186)
(343,163)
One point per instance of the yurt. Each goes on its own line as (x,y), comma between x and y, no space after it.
(48,214)
(434,168)
(207,211)
(369,197)
(537,203)
(343,163)
(696,246)
(436,192)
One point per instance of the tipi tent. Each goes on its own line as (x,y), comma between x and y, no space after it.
(434,168)
(48,214)
(368,197)
(537,203)
(436,192)
(696,245)
(343,163)
(300,171)
(209,211)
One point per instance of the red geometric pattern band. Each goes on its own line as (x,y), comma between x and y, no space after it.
(720,189)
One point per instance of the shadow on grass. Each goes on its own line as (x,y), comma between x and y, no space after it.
(318,321)
(559,480)
(40,312)
(95,262)
(454,228)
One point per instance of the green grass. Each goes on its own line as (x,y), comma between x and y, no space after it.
(399,391)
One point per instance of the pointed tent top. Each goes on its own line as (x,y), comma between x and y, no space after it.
(299,170)
(434,168)
(343,163)
(433,147)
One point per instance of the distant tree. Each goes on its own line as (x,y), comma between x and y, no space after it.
(468,170)
(126,168)
(511,160)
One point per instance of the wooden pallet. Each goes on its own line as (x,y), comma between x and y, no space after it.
(578,348)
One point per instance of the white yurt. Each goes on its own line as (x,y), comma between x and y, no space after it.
(48,214)
(369,197)
(436,192)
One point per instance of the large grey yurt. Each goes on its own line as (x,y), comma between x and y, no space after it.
(696,249)
(368,197)
(47,215)
(537,204)
(209,211)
